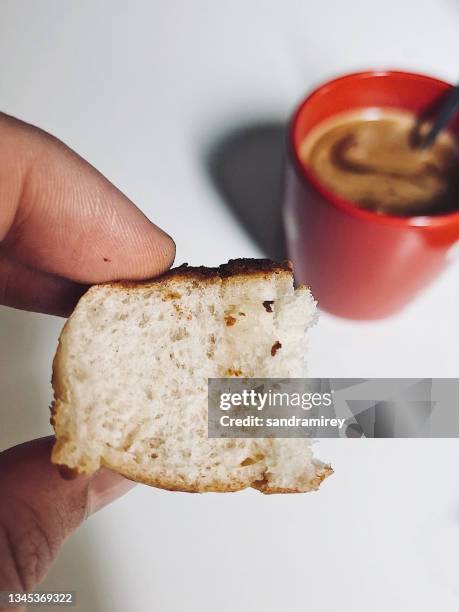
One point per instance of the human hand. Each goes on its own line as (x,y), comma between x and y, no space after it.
(63,227)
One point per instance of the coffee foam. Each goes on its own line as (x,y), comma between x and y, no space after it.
(369,158)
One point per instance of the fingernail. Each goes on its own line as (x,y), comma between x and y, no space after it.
(105,487)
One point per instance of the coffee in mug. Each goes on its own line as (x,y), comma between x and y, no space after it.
(372,158)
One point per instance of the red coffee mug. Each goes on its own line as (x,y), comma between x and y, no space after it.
(360,264)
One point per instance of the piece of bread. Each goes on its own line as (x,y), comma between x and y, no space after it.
(130,377)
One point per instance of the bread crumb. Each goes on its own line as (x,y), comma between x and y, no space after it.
(230,320)
(172,295)
(275,347)
(268,305)
(67,473)
(233,372)
(252,460)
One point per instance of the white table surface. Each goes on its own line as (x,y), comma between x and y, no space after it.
(145,90)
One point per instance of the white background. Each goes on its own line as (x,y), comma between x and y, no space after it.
(147,91)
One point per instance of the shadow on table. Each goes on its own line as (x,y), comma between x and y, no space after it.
(246,167)
(27,343)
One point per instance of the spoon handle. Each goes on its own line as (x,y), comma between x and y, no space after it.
(444,116)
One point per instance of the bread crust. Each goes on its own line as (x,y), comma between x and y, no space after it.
(235,485)
(246,267)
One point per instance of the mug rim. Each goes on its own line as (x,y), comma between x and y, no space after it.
(343,204)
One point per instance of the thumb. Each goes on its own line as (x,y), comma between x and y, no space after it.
(39,509)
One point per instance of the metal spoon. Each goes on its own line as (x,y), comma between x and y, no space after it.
(444,115)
